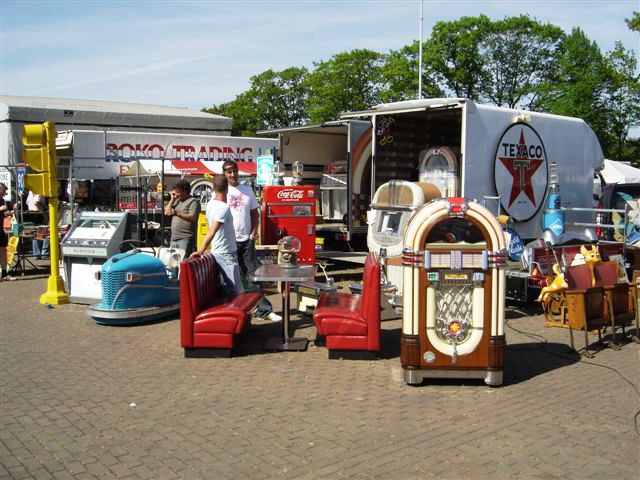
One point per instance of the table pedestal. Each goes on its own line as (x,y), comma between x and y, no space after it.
(286,343)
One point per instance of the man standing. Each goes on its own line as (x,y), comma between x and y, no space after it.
(5,211)
(183,210)
(221,236)
(244,209)
(38,205)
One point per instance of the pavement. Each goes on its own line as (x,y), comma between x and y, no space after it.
(83,401)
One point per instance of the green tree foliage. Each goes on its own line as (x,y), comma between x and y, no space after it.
(601,89)
(400,76)
(347,81)
(452,53)
(620,99)
(575,84)
(634,22)
(517,56)
(274,100)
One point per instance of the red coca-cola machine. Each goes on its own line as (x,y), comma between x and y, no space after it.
(290,211)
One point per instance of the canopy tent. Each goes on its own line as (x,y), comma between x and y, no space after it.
(619,172)
(199,167)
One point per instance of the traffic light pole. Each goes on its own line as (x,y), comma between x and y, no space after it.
(55,294)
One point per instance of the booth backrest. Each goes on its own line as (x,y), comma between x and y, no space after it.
(198,283)
(370,302)
(579,277)
(606,273)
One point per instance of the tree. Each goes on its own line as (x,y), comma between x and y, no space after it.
(634,22)
(601,89)
(400,76)
(452,53)
(517,56)
(273,100)
(347,81)
(621,99)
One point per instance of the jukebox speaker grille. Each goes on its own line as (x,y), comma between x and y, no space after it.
(454,304)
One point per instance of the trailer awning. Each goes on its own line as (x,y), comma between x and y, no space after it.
(407,107)
(335,127)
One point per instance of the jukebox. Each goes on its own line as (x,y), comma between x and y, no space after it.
(453,303)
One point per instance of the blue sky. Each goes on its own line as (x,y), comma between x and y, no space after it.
(196,54)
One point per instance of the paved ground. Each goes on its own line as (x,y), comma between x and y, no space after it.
(80,401)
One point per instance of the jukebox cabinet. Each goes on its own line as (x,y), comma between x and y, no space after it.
(290,211)
(454,289)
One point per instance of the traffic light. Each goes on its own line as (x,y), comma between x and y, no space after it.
(39,153)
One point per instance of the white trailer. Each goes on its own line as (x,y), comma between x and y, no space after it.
(487,153)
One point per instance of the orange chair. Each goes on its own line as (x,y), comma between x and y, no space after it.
(585,304)
(620,311)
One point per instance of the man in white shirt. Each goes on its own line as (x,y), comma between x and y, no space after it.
(38,205)
(244,208)
(221,236)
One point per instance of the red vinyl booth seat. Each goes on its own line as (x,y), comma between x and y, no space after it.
(352,322)
(209,319)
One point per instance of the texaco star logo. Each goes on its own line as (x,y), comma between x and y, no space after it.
(521,171)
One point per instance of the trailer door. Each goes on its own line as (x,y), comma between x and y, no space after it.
(359,154)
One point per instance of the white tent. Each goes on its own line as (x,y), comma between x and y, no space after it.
(619,172)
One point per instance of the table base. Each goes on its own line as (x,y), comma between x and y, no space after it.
(294,344)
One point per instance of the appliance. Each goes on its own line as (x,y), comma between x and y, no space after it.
(290,211)
(454,292)
(91,240)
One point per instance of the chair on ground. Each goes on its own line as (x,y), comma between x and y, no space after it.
(349,322)
(620,311)
(585,304)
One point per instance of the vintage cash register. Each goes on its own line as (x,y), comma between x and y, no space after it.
(454,292)
(92,239)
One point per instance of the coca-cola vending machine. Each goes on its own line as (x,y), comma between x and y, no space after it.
(290,211)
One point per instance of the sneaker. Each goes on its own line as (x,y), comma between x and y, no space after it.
(274,317)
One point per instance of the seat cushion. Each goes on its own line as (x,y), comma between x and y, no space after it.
(220,319)
(343,326)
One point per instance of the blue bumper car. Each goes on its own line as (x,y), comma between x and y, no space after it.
(136,288)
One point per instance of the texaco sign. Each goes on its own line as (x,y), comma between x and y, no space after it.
(520,171)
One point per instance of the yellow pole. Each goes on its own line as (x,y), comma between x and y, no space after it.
(55,294)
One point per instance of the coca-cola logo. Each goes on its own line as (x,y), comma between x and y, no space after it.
(290,194)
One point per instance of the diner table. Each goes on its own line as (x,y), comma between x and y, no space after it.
(287,275)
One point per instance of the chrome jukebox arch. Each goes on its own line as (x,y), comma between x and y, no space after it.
(454,283)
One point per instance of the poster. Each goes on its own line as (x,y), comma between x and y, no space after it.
(264,172)
(5,177)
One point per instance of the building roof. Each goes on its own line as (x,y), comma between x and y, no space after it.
(109,114)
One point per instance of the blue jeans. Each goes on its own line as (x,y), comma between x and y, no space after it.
(36,247)
(248,264)
(229,272)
